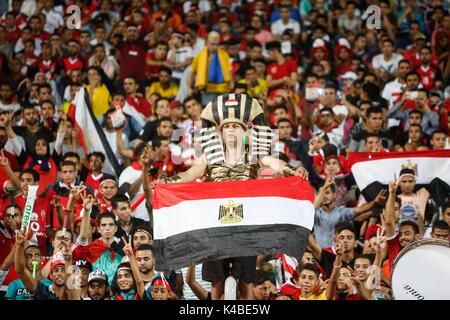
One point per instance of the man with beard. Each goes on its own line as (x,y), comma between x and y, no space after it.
(132,56)
(393,90)
(409,230)
(98,285)
(32,129)
(145,259)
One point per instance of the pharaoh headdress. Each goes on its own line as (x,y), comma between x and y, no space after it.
(238,108)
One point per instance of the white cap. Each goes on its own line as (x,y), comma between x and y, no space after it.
(349,75)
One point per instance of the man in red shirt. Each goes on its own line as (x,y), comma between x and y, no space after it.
(430,75)
(37,29)
(132,56)
(45,63)
(20,20)
(282,73)
(40,217)
(73,61)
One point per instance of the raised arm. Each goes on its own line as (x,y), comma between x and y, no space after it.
(315,248)
(19,264)
(331,287)
(134,267)
(198,290)
(379,199)
(85,227)
(319,197)
(4,163)
(389,218)
(123,151)
(148,191)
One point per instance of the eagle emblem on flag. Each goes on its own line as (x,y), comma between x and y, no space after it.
(231,212)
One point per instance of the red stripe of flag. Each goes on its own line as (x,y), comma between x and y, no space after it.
(167,195)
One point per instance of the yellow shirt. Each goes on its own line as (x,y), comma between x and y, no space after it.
(255,91)
(100,100)
(170,92)
(212,87)
(321,296)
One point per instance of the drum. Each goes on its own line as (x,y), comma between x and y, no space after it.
(421,271)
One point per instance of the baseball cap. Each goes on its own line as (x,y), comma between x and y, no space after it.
(349,75)
(419,36)
(97,275)
(56,263)
(81,263)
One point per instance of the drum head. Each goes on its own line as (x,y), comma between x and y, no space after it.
(422,271)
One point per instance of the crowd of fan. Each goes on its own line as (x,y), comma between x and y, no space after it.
(329,85)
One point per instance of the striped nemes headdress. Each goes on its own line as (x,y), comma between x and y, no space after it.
(236,108)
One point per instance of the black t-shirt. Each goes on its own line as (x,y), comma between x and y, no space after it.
(44,293)
(149,131)
(31,137)
(327,260)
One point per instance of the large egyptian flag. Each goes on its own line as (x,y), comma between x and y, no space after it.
(374,171)
(90,134)
(198,222)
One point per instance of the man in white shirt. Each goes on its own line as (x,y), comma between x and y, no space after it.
(281,25)
(179,56)
(393,90)
(385,64)
(53,18)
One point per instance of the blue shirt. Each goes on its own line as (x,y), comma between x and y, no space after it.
(324,223)
(17,290)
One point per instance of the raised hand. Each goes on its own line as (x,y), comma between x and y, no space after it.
(4,162)
(88,201)
(148,156)
(380,240)
(74,134)
(329,181)
(380,198)
(56,202)
(75,193)
(393,185)
(339,248)
(21,237)
(127,249)
(62,127)
(302,173)
(354,278)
